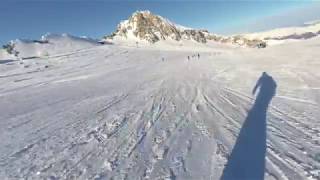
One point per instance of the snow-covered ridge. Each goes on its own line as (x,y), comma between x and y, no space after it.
(307,31)
(148,27)
(145,26)
(49,44)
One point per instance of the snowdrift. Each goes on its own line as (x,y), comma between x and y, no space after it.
(50,44)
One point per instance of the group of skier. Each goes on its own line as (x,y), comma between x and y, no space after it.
(194,56)
(189,58)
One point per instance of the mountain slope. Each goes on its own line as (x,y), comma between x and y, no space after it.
(116,112)
(304,32)
(143,25)
(178,111)
(50,44)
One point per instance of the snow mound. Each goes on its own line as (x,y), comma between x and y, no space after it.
(51,44)
(4,55)
(304,32)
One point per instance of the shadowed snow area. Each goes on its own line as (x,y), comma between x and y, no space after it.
(119,112)
(247,159)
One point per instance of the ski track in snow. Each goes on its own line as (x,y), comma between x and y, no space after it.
(122,113)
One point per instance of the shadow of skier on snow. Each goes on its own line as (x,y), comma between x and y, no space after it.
(247,160)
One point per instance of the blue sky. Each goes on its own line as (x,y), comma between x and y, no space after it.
(29,19)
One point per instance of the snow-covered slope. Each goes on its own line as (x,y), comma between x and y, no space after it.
(118,112)
(180,107)
(303,32)
(4,55)
(51,44)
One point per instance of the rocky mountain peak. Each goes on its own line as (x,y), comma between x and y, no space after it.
(147,26)
(144,25)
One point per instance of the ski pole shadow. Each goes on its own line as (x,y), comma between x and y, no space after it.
(247,159)
(6,61)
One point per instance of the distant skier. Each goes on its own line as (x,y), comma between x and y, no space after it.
(188,58)
(198,56)
(162,59)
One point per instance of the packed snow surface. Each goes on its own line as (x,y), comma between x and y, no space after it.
(149,112)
